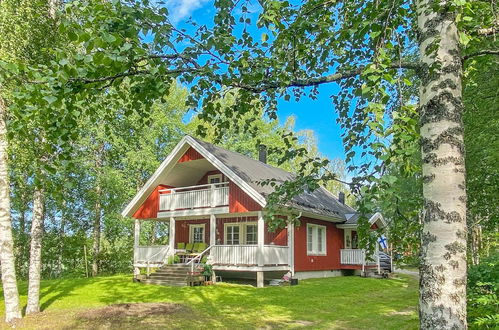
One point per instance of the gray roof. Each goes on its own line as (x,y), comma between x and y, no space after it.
(252,171)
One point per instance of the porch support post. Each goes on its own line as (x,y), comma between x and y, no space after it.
(377,257)
(136,243)
(261,237)
(171,237)
(291,246)
(213,229)
(259,280)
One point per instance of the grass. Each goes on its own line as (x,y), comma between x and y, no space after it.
(333,303)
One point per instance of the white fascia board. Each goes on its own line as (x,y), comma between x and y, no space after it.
(149,186)
(228,172)
(372,220)
(377,216)
(347,226)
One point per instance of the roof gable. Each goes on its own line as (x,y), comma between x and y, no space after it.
(246,173)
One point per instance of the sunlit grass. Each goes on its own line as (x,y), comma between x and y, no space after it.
(341,302)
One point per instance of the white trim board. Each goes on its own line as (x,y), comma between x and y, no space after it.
(194,212)
(376,216)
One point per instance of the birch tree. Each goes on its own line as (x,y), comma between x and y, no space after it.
(443,248)
(35,257)
(22,34)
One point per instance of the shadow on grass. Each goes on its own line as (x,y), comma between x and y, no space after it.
(350,302)
(346,302)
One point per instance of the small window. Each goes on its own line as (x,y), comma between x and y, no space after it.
(196,233)
(215,178)
(316,239)
(251,234)
(232,234)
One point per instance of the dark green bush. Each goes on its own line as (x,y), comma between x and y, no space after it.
(483,289)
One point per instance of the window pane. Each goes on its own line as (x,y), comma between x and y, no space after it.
(320,233)
(197,234)
(251,234)
(310,238)
(232,235)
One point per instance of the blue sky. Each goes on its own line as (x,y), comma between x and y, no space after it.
(317,115)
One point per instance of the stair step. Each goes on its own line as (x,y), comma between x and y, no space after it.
(164,272)
(160,277)
(164,282)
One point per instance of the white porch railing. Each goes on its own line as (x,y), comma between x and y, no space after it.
(352,256)
(151,254)
(275,255)
(248,255)
(357,257)
(208,195)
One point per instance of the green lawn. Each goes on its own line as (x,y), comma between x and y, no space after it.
(333,303)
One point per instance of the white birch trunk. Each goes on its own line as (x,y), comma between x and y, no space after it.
(443,247)
(9,283)
(96,232)
(35,256)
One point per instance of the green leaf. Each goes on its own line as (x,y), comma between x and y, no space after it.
(50,99)
(464,38)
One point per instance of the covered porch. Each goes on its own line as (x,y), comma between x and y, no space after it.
(227,242)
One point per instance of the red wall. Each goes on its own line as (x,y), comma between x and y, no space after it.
(239,201)
(189,155)
(149,209)
(334,242)
(279,237)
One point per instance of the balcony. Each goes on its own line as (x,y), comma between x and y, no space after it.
(194,197)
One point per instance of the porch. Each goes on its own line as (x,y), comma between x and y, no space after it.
(227,242)
(358,259)
(220,256)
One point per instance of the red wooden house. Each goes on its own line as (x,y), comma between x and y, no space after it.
(211,195)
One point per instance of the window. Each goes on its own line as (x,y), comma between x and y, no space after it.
(215,178)
(241,233)
(232,234)
(316,239)
(251,234)
(196,233)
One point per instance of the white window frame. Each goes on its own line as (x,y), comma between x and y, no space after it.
(315,251)
(232,224)
(347,238)
(242,231)
(191,231)
(214,176)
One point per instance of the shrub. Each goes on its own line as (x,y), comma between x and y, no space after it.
(483,289)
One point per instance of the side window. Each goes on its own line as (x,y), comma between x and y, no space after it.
(316,239)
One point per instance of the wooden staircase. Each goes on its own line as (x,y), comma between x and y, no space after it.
(170,275)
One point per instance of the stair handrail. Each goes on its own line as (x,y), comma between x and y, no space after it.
(191,262)
(167,247)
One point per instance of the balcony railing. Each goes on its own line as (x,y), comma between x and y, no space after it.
(208,195)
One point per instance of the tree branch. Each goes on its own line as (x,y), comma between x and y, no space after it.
(481,53)
(264,86)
